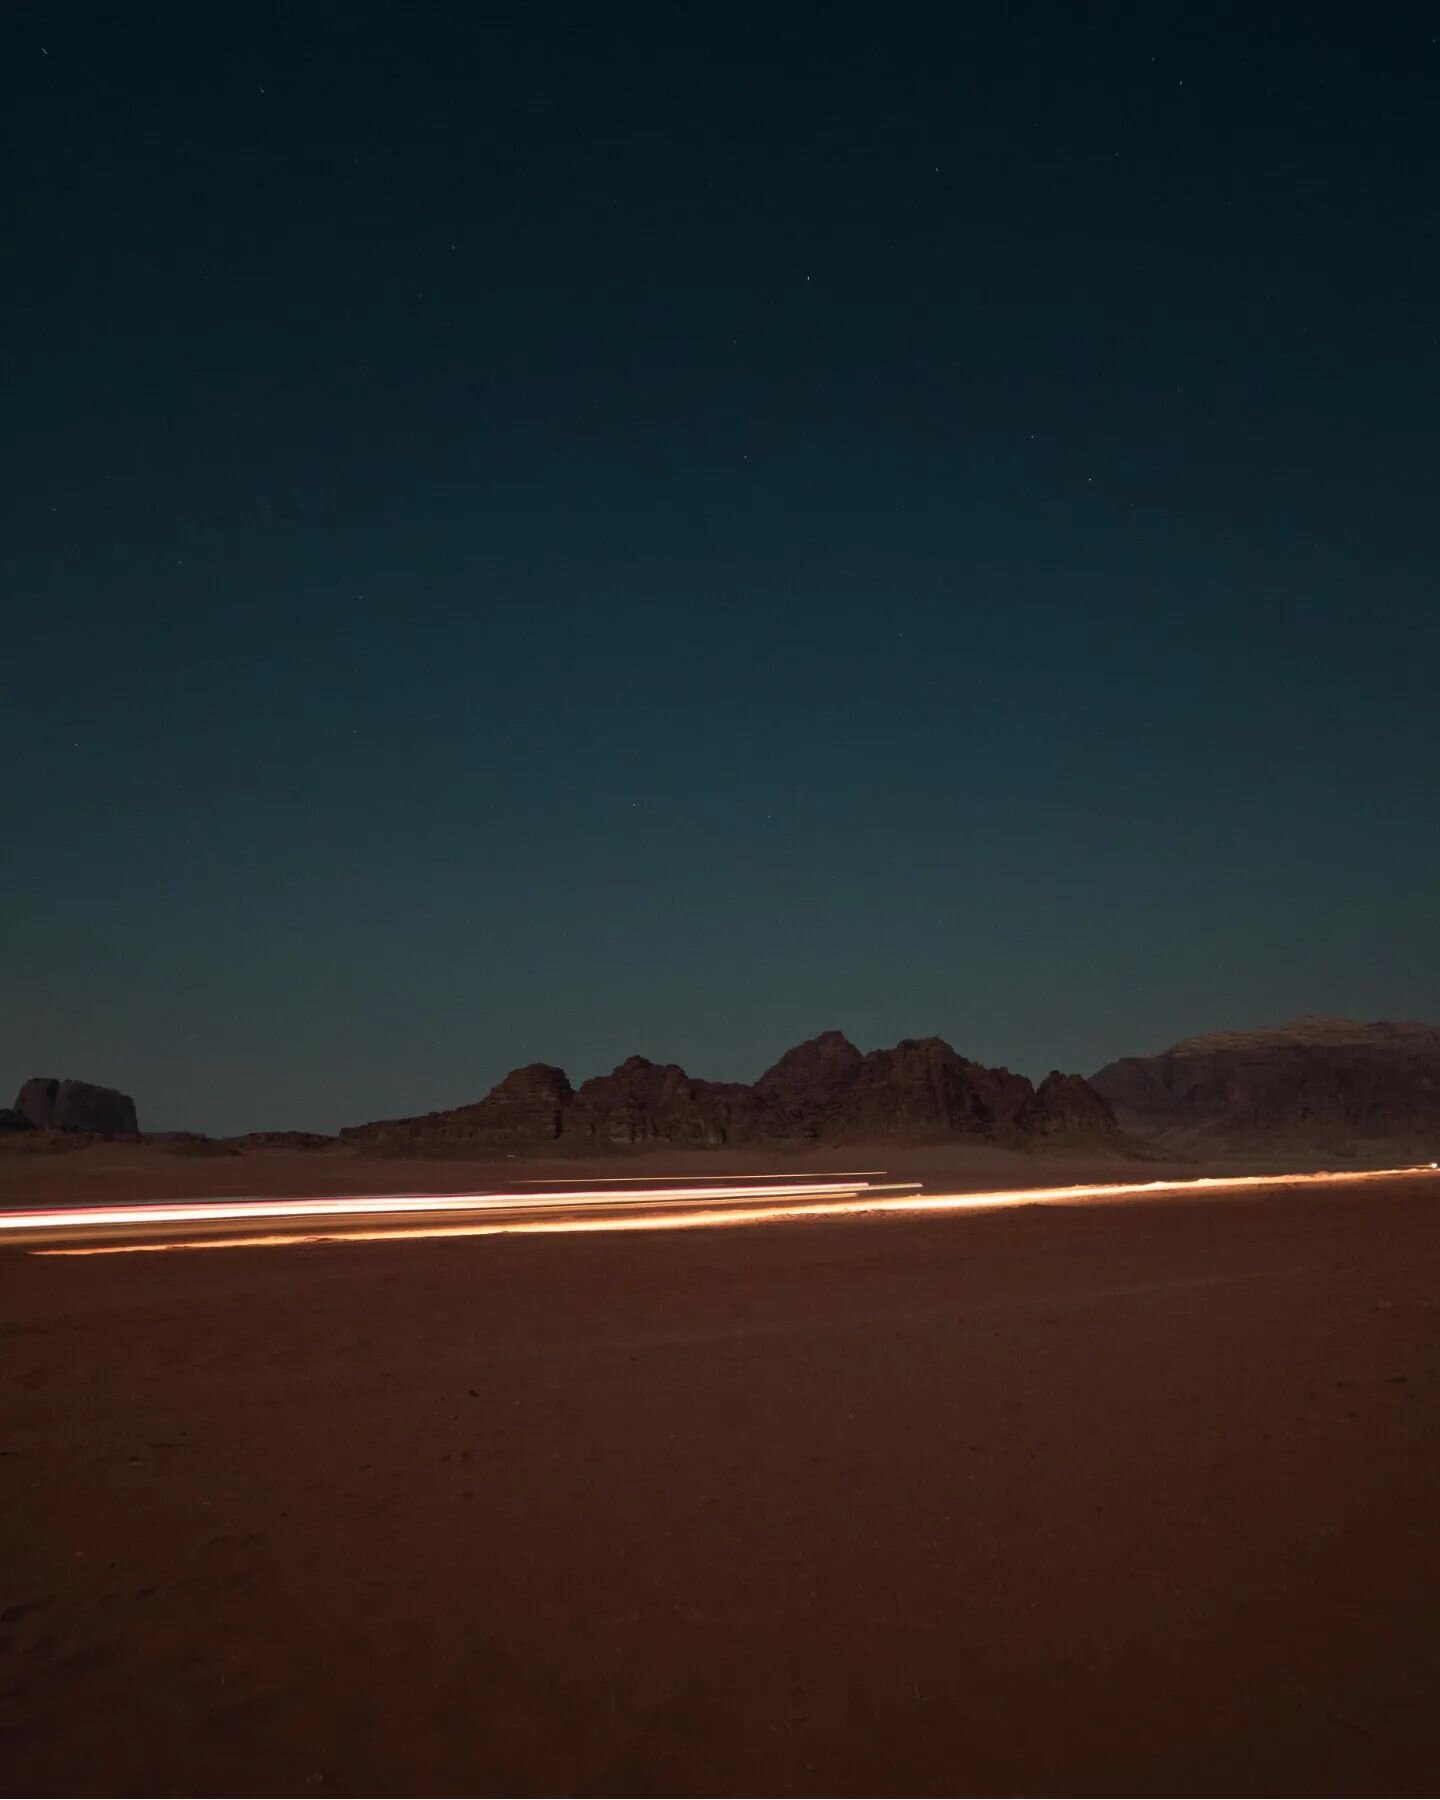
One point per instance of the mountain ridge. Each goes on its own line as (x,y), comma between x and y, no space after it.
(822,1091)
(1314,1082)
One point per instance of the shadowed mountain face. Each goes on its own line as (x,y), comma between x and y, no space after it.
(48,1104)
(821,1092)
(526,1108)
(655,1103)
(1320,1081)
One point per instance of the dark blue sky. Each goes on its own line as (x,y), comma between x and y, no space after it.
(551,533)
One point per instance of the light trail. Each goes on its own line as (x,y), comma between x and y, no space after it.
(858,1202)
(195,1212)
(795,1175)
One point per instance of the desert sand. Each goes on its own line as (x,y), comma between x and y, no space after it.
(1135,1498)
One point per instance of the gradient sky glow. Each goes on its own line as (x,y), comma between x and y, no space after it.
(553,533)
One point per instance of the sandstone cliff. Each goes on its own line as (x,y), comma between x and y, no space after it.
(824,1091)
(1331,1084)
(523,1111)
(48,1104)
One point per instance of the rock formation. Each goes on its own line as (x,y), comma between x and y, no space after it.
(525,1110)
(1066,1109)
(653,1103)
(800,1093)
(924,1089)
(1325,1082)
(49,1104)
(823,1091)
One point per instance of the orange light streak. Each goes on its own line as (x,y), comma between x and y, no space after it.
(794,1175)
(696,1217)
(191,1212)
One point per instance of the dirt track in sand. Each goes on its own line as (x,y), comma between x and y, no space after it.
(1110,1499)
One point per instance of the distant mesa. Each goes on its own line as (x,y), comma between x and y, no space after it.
(46,1103)
(823,1092)
(1313,1082)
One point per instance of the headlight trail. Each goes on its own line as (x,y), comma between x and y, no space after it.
(194,1212)
(1105,1190)
(788,1201)
(795,1175)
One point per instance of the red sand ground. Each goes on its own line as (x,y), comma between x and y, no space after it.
(1115,1499)
(122,1172)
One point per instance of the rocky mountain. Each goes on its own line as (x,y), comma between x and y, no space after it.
(922,1089)
(658,1103)
(1329,1083)
(525,1109)
(823,1091)
(809,1087)
(46,1103)
(1066,1109)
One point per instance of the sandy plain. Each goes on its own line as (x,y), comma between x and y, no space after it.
(1136,1498)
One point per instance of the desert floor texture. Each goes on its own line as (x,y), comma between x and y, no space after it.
(1114,1498)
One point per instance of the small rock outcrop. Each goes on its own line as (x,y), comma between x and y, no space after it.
(280,1140)
(50,1104)
(190,1143)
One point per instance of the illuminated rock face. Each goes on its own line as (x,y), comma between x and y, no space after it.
(824,1091)
(49,1104)
(1315,1079)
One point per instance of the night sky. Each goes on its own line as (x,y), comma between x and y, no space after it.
(549,533)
